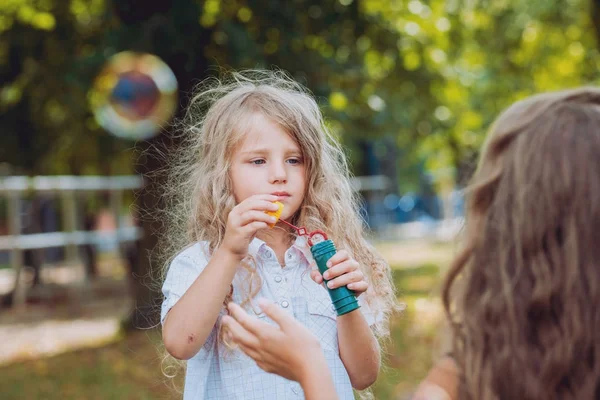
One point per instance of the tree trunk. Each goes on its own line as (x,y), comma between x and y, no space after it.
(595,14)
(189,65)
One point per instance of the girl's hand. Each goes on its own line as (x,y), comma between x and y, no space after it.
(245,219)
(343,270)
(289,349)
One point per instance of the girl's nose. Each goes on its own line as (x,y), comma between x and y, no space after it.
(278,173)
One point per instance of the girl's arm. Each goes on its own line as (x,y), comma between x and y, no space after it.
(289,349)
(359,349)
(317,382)
(190,321)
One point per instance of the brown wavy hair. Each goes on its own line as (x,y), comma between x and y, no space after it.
(523,296)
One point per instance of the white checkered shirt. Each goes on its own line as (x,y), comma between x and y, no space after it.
(215,374)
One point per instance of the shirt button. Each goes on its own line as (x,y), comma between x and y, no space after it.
(285,304)
(277,279)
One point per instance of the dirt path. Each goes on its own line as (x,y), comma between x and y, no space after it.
(56,326)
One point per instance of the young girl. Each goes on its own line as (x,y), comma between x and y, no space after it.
(252,141)
(522,297)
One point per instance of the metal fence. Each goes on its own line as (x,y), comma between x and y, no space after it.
(15,188)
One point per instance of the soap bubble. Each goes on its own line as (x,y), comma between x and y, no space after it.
(134,96)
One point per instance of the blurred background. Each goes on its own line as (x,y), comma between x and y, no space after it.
(409,87)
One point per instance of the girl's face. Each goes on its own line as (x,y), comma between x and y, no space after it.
(268,161)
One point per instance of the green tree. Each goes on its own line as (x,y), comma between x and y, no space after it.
(482,56)
(427,76)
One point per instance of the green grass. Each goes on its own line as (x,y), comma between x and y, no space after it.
(128,369)
(414,333)
(131,367)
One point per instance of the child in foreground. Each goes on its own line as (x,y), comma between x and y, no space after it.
(251,142)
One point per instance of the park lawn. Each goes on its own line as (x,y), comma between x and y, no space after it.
(130,368)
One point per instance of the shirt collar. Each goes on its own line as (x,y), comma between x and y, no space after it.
(255,245)
(301,244)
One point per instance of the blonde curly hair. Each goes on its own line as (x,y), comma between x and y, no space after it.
(198,189)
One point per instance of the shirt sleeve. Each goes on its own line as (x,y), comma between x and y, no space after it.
(183,271)
(371,314)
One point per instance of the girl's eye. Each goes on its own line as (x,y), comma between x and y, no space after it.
(295,161)
(257,162)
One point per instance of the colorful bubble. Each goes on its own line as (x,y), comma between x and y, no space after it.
(134,96)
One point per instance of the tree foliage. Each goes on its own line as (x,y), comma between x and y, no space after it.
(424,79)
(431,75)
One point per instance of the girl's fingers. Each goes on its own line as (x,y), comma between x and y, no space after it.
(250,324)
(340,269)
(238,333)
(277,314)
(253,227)
(258,202)
(355,276)
(251,352)
(267,367)
(337,258)
(358,287)
(316,276)
(256,216)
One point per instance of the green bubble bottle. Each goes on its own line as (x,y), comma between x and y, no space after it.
(344,299)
